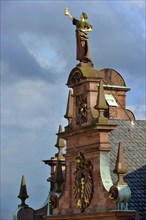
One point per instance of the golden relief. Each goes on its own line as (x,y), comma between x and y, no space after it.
(83,182)
(81,109)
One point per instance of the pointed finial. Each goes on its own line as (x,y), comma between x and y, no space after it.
(101,105)
(23,192)
(60,144)
(101,102)
(69,108)
(58,178)
(60,141)
(120,168)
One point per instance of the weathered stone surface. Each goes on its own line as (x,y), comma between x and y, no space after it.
(106,215)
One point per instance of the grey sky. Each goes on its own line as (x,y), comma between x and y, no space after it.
(37,54)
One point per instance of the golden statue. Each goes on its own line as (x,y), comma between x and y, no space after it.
(82,27)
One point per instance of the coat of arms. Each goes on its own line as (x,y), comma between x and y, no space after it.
(83,184)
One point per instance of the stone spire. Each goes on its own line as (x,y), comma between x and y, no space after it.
(53,162)
(23,192)
(120,191)
(120,168)
(101,105)
(59,178)
(60,144)
(69,108)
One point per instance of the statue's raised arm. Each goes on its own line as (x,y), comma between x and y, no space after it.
(66,12)
(82,27)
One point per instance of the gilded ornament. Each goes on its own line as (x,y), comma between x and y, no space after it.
(83,182)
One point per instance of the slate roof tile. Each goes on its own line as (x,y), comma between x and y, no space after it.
(133,138)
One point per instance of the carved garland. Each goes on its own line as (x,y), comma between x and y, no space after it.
(83,182)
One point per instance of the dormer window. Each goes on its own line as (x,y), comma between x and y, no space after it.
(111,100)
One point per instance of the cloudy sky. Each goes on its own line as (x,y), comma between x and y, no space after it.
(37,55)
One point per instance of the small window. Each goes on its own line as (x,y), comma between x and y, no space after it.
(110,100)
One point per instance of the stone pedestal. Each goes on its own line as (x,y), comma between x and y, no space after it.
(106,215)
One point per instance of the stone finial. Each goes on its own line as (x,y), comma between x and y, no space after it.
(23,192)
(120,168)
(120,191)
(69,108)
(60,144)
(101,105)
(58,176)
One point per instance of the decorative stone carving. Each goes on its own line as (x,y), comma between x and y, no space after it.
(83,188)
(53,201)
(121,195)
(120,191)
(77,77)
(113,193)
(81,109)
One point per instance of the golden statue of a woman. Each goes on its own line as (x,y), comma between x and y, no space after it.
(82,27)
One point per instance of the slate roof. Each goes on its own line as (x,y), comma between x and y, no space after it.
(133,138)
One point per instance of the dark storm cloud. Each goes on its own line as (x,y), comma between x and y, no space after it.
(38,52)
(21,64)
(23,18)
(116,40)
